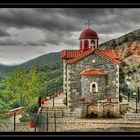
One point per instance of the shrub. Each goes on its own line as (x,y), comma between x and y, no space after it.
(24,118)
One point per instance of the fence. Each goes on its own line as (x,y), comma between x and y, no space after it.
(58,122)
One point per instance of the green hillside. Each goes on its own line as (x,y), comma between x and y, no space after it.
(44,59)
(50,64)
(5,69)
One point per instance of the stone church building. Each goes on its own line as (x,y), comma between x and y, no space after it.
(91,77)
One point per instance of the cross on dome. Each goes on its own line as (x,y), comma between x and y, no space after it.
(89,23)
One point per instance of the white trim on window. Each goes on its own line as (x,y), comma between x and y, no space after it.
(96,87)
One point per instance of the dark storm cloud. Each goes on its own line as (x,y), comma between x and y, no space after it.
(3,33)
(61,22)
(21,18)
(36,43)
(60,37)
(10,42)
(52,19)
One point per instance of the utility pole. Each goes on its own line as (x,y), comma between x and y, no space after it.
(129,95)
(66,99)
(14,121)
(138,94)
(53,100)
(136,105)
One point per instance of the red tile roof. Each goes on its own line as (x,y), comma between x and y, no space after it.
(91,72)
(80,56)
(110,55)
(68,54)
(76,55)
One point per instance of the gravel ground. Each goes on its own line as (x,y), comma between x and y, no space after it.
(68,124)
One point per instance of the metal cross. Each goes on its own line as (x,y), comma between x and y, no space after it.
(88,23)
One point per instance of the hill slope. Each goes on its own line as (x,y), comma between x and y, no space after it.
(128,47)
(47,58)
(50,63)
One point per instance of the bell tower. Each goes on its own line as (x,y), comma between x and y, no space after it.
(88,38)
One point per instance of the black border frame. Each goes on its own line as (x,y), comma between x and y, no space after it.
(69,5)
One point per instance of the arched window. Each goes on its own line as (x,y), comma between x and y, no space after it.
(93,87)
(92,45)
(86,45)
(81,45)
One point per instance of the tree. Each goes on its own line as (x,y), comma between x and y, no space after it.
(22,87)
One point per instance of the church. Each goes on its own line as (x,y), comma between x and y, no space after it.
(91,77)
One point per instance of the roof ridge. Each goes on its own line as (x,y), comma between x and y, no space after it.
(80,56)
(75,55)
(113,52)
(107,57)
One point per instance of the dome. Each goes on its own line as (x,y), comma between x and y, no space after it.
(88,34)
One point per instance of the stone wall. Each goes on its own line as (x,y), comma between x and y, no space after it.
(104,109)
(111,110)
(86,82)
(74,78)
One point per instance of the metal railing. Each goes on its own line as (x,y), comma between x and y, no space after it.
(59,121)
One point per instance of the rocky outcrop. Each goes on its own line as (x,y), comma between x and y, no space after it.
(128,48)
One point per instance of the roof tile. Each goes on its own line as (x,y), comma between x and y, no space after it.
(68,54)
(80,56)
(76,55)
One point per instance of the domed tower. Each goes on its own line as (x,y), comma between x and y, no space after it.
(88,39)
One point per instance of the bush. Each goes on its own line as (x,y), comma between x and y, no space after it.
(24,118)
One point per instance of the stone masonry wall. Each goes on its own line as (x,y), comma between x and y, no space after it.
(85,87)
(74,78)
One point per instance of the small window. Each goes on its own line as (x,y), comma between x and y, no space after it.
(93,87)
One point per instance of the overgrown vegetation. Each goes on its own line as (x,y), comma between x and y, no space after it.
(23,84)
(123,86)
(21,88)
(126,71)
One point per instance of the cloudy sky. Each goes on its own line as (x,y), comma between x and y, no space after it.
(26,33)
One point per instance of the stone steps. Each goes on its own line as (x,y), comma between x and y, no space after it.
(132,116)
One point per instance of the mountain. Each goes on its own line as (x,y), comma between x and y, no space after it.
(5,69)
(51,64)
(128,48)
(44,59)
